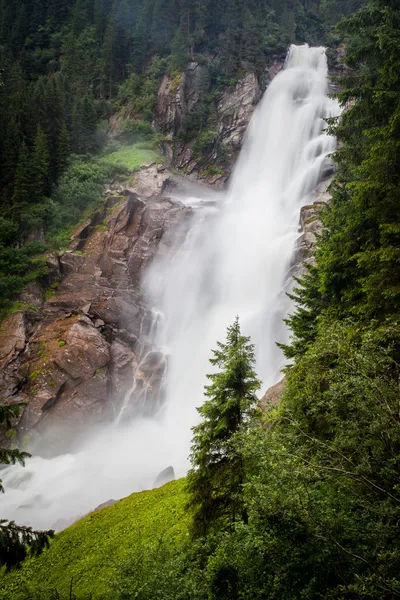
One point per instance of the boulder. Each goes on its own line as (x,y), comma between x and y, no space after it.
(164,477)
(272,396)
(32,295)
(122,367)
(70,262)
(85,351)
(151,181)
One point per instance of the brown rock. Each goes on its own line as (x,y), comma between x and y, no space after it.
(151,181)
(85,351)
(272,396)
(123,365)
(32,295)
(311,226)
(12,338)
(235,109)
(71,262)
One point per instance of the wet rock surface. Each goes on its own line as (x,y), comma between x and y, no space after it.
(73,358)
(310,227)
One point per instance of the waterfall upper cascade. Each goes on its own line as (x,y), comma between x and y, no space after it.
(236,260)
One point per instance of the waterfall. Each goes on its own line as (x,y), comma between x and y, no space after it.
(235,260)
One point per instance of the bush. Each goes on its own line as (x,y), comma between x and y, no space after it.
(206,138)
(81,188)
(135,131)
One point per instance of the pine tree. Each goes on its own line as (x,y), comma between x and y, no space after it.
(251,41)
(217,475)
(14,539)
(63,149)
(23,192)
(17,95)
(40,165)
(100,19)
(11,142)
(230,51)
(164,19)
(179,50)
(140,46)
(89,122)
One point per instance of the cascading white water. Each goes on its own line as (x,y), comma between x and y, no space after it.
(235,260)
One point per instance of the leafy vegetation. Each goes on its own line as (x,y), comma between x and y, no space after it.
(80,189)
(321,485)
(132,157)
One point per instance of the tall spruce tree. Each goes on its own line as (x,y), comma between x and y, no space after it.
(23,179)
(63,149)
(40,165)
(215,481)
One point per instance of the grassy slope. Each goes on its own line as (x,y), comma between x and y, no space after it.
(133,156)
(91,550)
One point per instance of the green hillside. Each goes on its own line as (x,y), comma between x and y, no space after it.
(91,551)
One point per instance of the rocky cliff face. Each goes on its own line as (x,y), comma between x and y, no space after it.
(310,226)
(178,97)
(72,357)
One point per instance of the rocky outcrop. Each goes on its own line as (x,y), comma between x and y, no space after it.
(272,396)
(180,95)
(336,66)
(310,227)
(164,477)
(177,97)
(73,358)
(235,108)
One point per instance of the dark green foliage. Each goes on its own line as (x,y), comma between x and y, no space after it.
(358,255)
(40,165)
(81,187)
(23,187)
(218,470)
(63,149)
(179,50)
(15,539)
